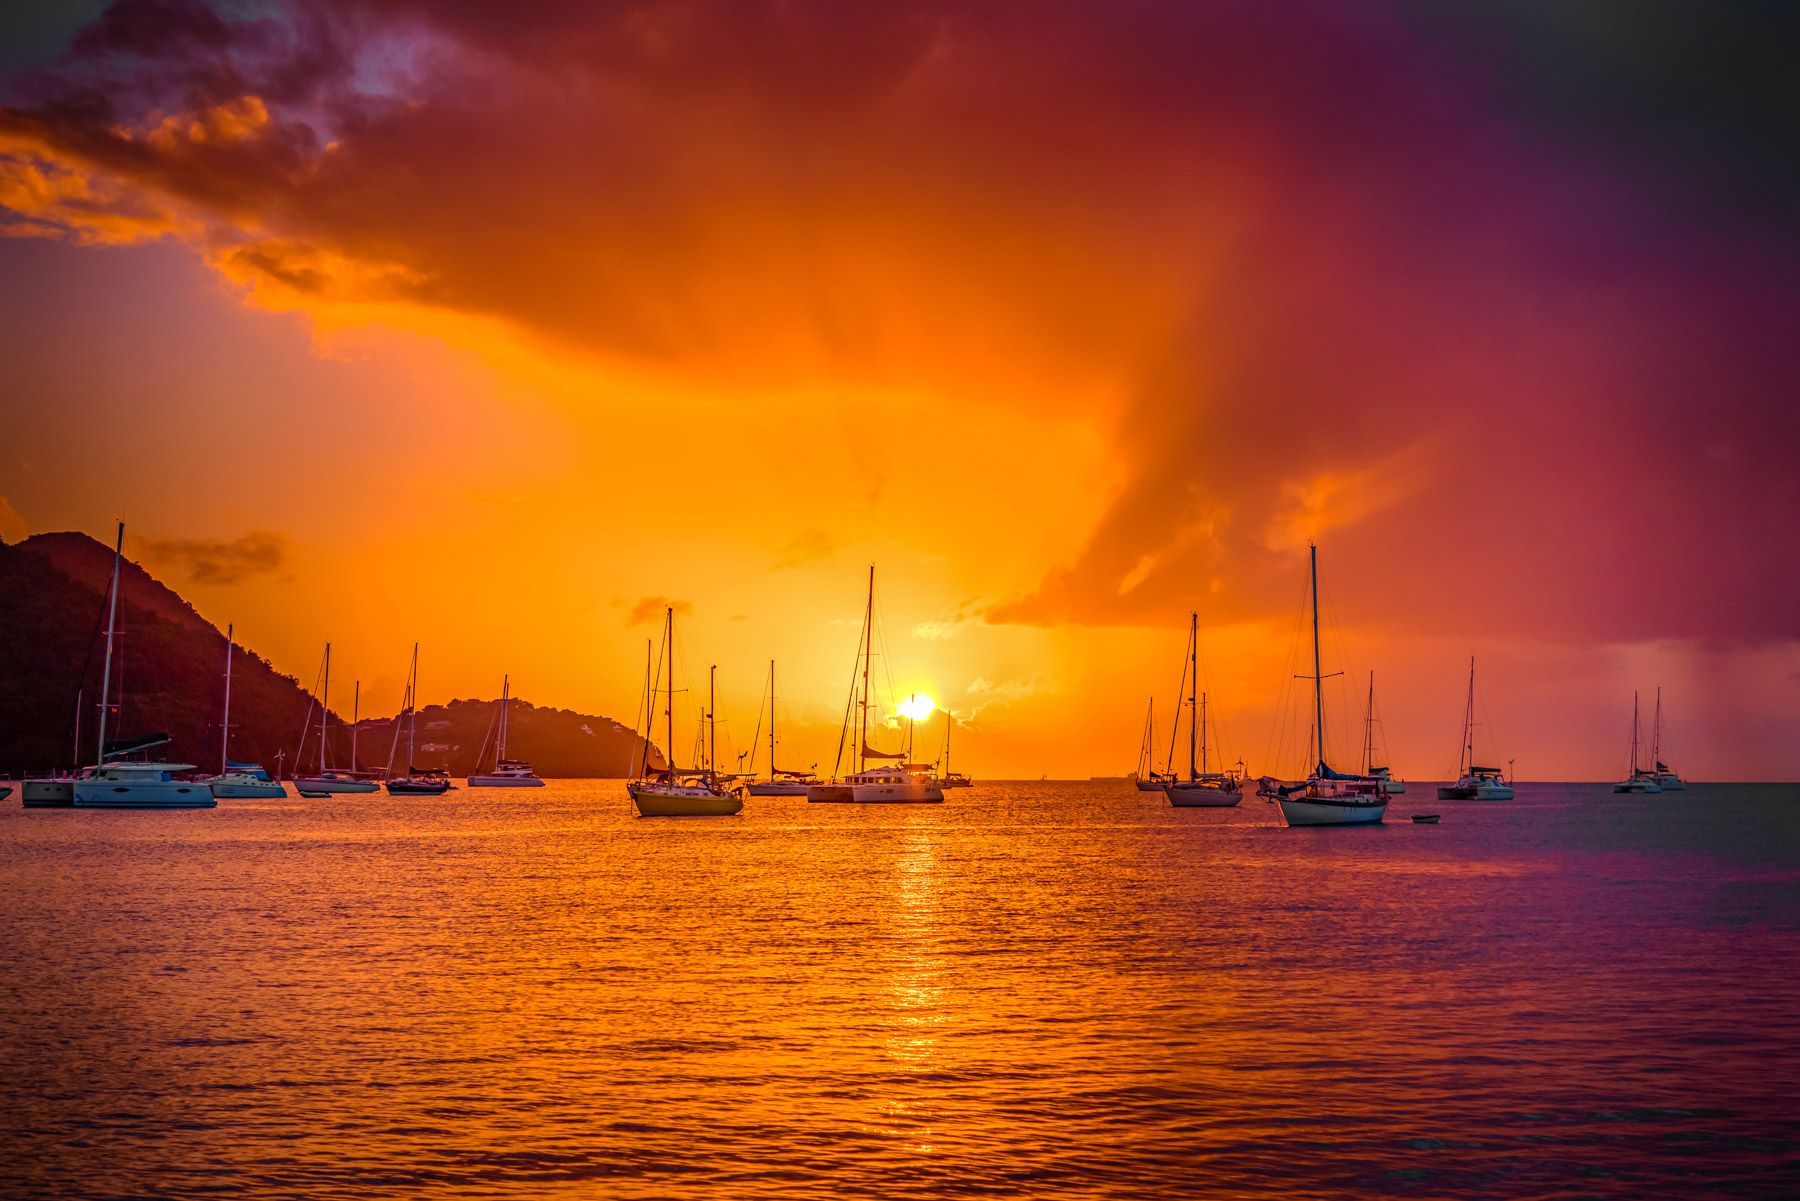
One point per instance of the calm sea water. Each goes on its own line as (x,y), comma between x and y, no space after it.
(1033,990)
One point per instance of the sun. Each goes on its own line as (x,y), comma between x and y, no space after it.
(917,707)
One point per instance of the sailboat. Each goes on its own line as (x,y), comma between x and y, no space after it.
(780,782)
(1327,797)
(238,781)
(1203,788)
(1641,779)
(1474,783)
(119,781)
(948,778)
(1667,778)
(1145,774)
(1394,787)
(887,783)
(328,780)
(671,791)
(431,781)
(507,773)
(55,791)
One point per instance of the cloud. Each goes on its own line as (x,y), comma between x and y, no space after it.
(806,547)
(12,526)
(213,561)
(650,609)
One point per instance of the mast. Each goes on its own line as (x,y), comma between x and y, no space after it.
(771,719)
(325,706)
(1193,688)
(355,721)
(1634,732)
(1369,729)
(1318,671)
(1147,746)
(1468,750)
(75,749)
(1203,769)
(112,614)
(225,726)
(505,696)
(712,723)
(1656,733)
(948,722)
(412,713)
(669,710)
(868,630)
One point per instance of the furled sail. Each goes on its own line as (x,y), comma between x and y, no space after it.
(870,753)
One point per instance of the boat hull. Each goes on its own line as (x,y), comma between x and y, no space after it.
(1184,796)
(1671,783)
(1637,786)
(655,802)
(776,788)
(1150,786)
(321,785)
(47,794)
(142,794)
(875,794)
(1325,811)
(1394,787)
(242,792)
(504,782)
(419,788)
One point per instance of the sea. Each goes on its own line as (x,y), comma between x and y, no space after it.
(1033,990)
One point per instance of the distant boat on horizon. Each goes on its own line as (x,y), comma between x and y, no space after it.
(780,782)
(1641,780)
(1473,783)
(1667,778)
(1145,775)
(429,781)
(1394,787)
(507,773)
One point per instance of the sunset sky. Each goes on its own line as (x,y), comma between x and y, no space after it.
(493,326)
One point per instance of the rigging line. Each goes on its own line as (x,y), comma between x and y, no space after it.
(1175,723)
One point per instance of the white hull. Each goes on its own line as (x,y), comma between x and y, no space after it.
(664,801)
(142,794)
(47,794)
(1299,812)
(776,788)
(242,792)
(314,784)
(908,793)
(1184,796)
(1670,782)
(1638,786)
(1394,787)
(504,782)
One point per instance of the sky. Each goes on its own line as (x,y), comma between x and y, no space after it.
(500,327)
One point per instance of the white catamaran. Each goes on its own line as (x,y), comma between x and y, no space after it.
(780,782)
(507,773)
(1326,797)
(1667,778)
(237,781)
(671,791)
(1203,788)
(888,783)
(1474,783)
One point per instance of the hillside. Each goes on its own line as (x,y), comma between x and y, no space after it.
(171,661)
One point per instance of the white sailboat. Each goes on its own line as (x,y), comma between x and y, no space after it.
(1369,768)
(672,791)
(1145,774)
(1667,778)
(119,781)
(947,778)
(238,781)
(328,780)
(1203,788)
(1326,797)
(418,781)
(892,781)
(780,782)
(507,773)
(1641,779)
(1474,783)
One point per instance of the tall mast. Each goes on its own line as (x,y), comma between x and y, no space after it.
(1203,767)
(1634,732)
(112,613)
(412,712)
(669,710)
(948,723)
(1318,671)
(771,719)
(1369,728)
(505,695)
(1193,688)
(1468,760)
(355,720)
(325,705)
(75,749)
(868,632)
(225,725)
(1656,733)
(712,723)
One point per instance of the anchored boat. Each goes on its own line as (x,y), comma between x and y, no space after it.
(1203,788)
(507,773)
(672,791)
(1474,783)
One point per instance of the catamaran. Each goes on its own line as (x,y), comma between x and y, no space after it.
(507,773)
(1641,779)
(671,791)
(1203,788)
(1145,773)
(1667,778)
(1326,797)
(429,781)
(780,782)
(328,780)
(119,781)
(1474,783)
(889,783)
(1369,768)
(238,780)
